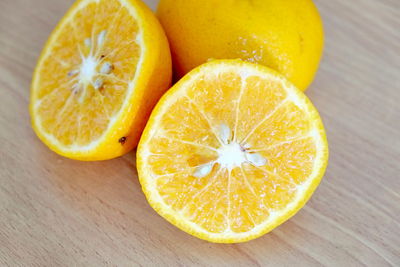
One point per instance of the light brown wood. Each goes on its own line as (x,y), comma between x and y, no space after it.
(59,212)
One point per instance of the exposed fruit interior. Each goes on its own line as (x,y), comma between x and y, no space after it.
(84,76)
(231,151)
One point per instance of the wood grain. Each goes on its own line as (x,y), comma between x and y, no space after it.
(59,212)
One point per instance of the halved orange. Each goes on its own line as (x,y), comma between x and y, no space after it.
(102,70)
(231,151)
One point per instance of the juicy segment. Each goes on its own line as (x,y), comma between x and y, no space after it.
(84,77)
(272,141)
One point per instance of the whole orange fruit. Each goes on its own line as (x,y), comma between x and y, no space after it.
(284,35)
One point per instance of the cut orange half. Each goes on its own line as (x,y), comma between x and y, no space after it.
(102,70)
(231,151)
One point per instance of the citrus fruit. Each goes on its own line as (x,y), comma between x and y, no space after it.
(102,70)
(286,36)
(231,151)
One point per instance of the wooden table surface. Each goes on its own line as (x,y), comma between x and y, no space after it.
(59,212)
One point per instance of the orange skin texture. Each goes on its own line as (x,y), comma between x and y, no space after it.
(286,36)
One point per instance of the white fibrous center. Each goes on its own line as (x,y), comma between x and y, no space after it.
(231,154)
(88,69)
(93,67)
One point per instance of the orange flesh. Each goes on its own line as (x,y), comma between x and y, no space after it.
(262,120)
(76,111)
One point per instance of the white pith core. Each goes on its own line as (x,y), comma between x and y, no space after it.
(231,154)
(93,67)
(88,70)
